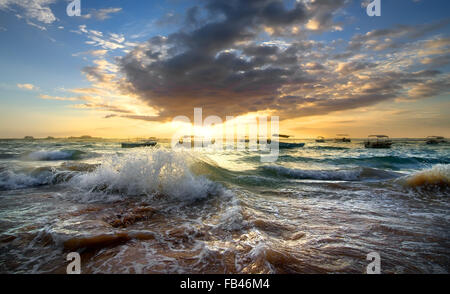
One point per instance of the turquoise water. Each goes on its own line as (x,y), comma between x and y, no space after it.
(317,209)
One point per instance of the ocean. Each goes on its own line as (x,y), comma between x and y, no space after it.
(318,209)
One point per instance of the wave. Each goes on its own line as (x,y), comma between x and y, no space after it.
(10,180)
(436,177)
(49,155)
(7,155)
(156,173)
(354,174)
(390,162)
(42,176)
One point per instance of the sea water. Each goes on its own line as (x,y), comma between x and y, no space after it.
(317,209)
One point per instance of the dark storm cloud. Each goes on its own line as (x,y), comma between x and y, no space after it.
(222,61)
(217,65)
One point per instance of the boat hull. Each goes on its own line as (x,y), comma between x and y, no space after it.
(290,145)
(137,145)
(378,145)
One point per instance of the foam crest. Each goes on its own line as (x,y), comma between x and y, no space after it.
(10,180)
(154,173)
(437,176)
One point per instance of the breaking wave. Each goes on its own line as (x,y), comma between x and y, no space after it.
(10,180)
(14,180)
(158,173)
(435,177)
(49,155)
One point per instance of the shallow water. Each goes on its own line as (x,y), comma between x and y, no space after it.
(317,209)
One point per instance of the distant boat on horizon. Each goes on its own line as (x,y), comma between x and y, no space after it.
(320,139)
(281,136)
(378,142)
(141,144)
(284,145)
(434,140)
(342,138)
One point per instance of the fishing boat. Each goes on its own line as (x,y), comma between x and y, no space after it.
(320,139)
(139,144)
(378,142)
(434,140)
(285,145)
(342,138)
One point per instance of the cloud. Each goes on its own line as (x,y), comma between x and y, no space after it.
(218,60)
(102,14)
(236,57)
(48,97)
(437,60)
(95,53)
(31,10)
(104,95)
(29,87)
(382,39)
(108,42)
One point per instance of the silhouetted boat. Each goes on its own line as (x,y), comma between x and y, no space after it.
(281,136)
(320,139)
(342,138)
(434,140)
(378,142)
(142,144)
(284,145)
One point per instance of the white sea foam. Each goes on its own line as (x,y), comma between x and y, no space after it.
(160,172)
(10,180)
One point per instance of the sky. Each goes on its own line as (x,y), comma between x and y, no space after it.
(127,68)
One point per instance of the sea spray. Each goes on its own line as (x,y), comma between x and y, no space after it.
(152,173)
(436,177)
(10,180)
